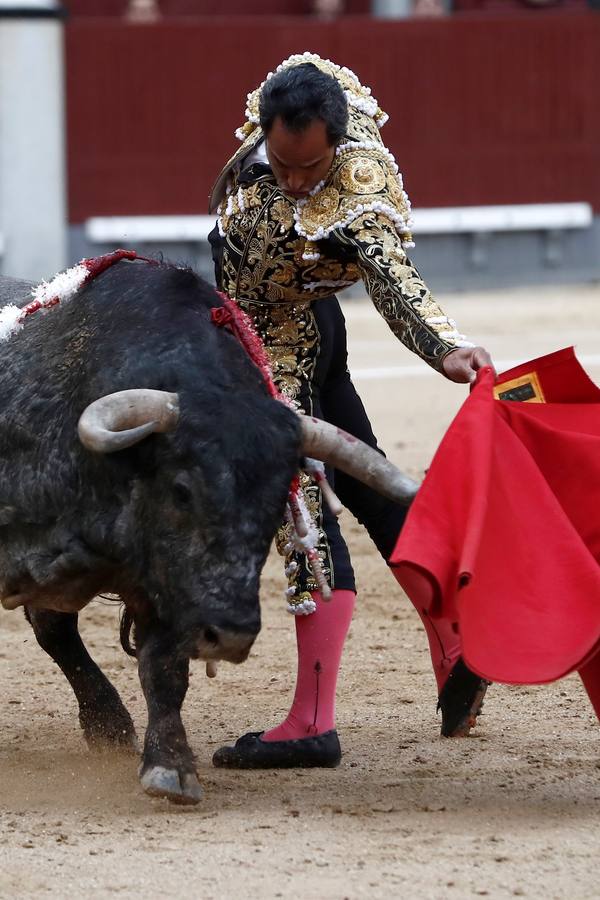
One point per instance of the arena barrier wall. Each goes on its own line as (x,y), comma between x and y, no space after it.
(482,111)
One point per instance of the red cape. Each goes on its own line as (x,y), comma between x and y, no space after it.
(505,531)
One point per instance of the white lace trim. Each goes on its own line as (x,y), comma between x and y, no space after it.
(365,104)
(391,212)
(452,334)
(304,608)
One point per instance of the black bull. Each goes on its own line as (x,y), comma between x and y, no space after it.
(178,525)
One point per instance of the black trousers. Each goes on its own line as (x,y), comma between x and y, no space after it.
(335,399)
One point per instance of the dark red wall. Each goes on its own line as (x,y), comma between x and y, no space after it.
(212,7)
(496,110)
(512,6)
(297,7)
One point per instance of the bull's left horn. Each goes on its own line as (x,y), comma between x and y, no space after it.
(119,420)
(347,453)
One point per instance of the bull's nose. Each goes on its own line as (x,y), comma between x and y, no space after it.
(219,643)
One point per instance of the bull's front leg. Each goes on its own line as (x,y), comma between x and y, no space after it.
(168,768)
(102,715)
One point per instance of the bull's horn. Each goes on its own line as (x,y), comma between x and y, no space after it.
(119,420)
(350,455)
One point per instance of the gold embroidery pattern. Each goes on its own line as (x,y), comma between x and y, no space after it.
(360,180)
(263,254)
(278,257)
(362,175)
(361,127)
(299,574)
(320,210)
(395,286)
(291,339)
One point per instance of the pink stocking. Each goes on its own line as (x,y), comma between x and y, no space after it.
(590,675)
(442,634)
(320,637)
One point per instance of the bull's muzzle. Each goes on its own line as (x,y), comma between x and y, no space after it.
(220,643)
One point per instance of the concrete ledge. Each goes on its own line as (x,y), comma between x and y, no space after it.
(452,220)
(152,229)
(480,219)
(553,245)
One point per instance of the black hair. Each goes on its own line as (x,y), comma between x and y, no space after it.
(301,94)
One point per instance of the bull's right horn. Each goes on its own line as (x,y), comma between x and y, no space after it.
(347,453)
(119,420)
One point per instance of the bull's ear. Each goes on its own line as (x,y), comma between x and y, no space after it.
(120,420)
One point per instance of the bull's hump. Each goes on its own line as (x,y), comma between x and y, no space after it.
(15,290)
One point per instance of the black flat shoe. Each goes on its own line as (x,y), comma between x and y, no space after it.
(249,752)
(461,700)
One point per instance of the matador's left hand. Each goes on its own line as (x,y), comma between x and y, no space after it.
(461,365)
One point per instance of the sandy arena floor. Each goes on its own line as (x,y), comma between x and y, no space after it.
(511,811)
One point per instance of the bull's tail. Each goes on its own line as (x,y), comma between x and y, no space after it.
(125,629)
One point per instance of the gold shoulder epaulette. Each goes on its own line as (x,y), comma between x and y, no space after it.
(364,178)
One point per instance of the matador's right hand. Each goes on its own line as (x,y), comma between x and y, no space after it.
(461,365)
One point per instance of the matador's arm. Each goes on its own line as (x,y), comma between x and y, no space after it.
(364,210)
(397,290)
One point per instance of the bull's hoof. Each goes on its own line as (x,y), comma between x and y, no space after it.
(125,743)
(183,788)
(108,727)
(116,736)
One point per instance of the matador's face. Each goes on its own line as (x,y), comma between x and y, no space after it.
(299,159)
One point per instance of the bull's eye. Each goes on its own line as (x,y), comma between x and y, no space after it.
(182,495)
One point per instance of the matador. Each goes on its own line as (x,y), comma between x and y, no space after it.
(312,202)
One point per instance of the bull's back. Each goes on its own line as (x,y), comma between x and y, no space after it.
(15,291)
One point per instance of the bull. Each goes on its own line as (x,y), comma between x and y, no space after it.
(142,455)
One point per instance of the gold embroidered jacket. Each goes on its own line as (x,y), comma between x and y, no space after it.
(277,255)
(274,256)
